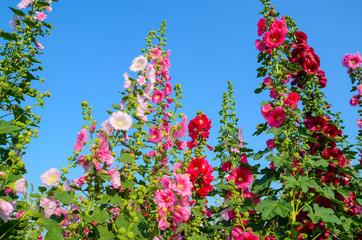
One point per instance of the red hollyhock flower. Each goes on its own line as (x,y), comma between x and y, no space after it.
(261,26)
(274,38)
(292,100)
(200,167)
(276,117)
(301,37)
(317,124)
(242,177)
(200,124)
(196,167)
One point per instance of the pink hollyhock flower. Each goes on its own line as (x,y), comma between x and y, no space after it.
(38,44)
(352,61)
(166,182)
(168,88)
(24,4)
(276,117)
(168,144)
(184,212)
(79,182)
(243,158)
(141,80)
(165,198)
(151,73)
(41,16)
(240,137)
(281,25)
(97,165)
(149,88)
(176,166)
(158,96)
(81,139)
(265,110)
(50,177)
(116,177)
(6,209)
(105,156)
(181,128)
(242,177)
(155,135)
(127,82)
(82,161)
(14,22)
(354,101)
(107,127)
(274,38)
(181,145)
(224,214)
(48,8)
(292,100)
(155,52)
(19,186)
(238,234)
(270,143)
(287,79)
(259,45)
(162,224)
(267,81)
(359,89)
(183,185)
(138,64)
(359,123)
(261,26)
(49,205)
(120,121)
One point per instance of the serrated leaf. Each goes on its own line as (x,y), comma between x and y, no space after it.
(343,192)
(270,208)
(103,233)
(328,193)
(291,182)
(261,184)
(222,186)
(324,214)
(128,184)
(105,177)
(126,158)
(65,197)
(54,234)
(306,183)
(100,216)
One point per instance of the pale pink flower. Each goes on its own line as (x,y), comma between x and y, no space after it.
(120,121)
(40,16)
(183,185)
(116,177)
(107,127)
(181,128)
(24,4)
(79,182)
(14,22)
(141,80)
(149,89)
(352,61)
(240,137)
(127,82)
(162,224)
(49,205)
(49,8)
(151,73)
(224,214)
(176,166)
(38,44)
(158,96)
(6,209)
(50,177)
(82,161)
(66,186)
(138,64)
(19,186)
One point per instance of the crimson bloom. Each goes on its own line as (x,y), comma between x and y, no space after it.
(274,38)
(242,177)
(276,117)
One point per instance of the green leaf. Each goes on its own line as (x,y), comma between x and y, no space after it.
(291,182)
(260,128)
(48,25)
(100,216)
(258,90)
(65,197)
(115,106)
(105,177)
(17,12)
(261,184)
(324,214)
(126,158)
(273,130)
(343,192)
(54,234)
(270,208)
(128,184)
(121,221)
(103,233)
(8,128)
(260,154)
(306,183)
(222,186)
(8,36)
(328,192)
(43,4)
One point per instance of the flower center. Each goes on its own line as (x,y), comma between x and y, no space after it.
(240,179)
(52,179)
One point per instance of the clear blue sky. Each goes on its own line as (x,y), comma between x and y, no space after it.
(211,41)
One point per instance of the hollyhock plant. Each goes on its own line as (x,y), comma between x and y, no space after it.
(241,176)
(6,209)
(352,61)
(276,117)
(138,64)
(19,186)
(50,177)
(158,96)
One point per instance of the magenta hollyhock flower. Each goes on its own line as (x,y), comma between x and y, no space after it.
(276,117)
(181,145)
(280,25)
(352,61)
(359,89)
(6,209)
(239,234)
(138,64)
(354,101)
(261,26)
(359,123)
(292,100)
(120,121)
(155,135)
(158,96)
(41,16)
(259,45)
(242,177)
(226,166)
(168,88)
(274,38)
(165,198)
(267,81)
(181,128)
(50,177)
(270,143)
(183,185)
(19,186)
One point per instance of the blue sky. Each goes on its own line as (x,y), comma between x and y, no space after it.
(211,42)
